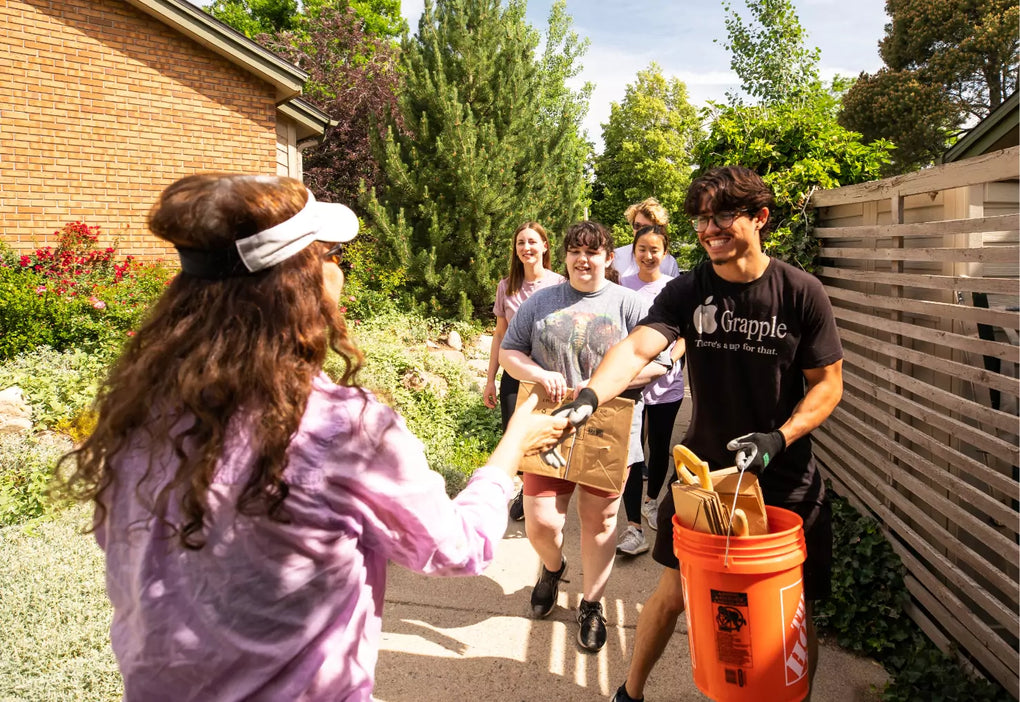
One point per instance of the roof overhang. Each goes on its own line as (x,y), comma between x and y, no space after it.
(311,122)
(208,31)
(999,130)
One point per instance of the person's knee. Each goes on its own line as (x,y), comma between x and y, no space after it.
(669,594)
(542,518)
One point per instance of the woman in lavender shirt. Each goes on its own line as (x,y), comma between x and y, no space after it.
(662,398)
(247,504)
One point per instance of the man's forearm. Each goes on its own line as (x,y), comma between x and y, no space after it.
(624,362)
(825,389)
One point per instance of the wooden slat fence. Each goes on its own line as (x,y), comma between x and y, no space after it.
(922,271)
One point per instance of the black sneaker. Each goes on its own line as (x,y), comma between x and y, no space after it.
(517,506)
(622,696)
(543,597)
(592,634)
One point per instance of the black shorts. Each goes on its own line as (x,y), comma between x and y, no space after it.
(817,535)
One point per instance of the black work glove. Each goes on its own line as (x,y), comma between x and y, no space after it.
(755,450)
(583,406)
(577,413)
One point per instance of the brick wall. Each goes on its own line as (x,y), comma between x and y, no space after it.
(102,106)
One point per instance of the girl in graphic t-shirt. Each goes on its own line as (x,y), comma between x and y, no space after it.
(662,398)
(557,339)
(529,271)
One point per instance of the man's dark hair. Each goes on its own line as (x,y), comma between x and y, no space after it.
(731,188)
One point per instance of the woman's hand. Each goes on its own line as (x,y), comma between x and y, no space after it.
(533,431)
(555,385)
(489,395)
(528,432)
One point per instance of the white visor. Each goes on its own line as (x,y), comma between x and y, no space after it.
(317,221)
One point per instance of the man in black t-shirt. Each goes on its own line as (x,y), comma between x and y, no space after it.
(765,366)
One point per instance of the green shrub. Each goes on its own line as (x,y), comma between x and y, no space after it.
(369,289)
(866,613)
(27,466)
(435,396)
(59,385)
(74,296)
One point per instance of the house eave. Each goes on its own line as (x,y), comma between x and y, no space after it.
(208,31)
(998,130)
(311,122)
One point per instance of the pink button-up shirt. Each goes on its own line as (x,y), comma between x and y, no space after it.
(287,611)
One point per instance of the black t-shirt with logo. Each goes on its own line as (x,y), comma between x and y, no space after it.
(747,344)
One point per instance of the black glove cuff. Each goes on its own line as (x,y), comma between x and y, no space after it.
(587,396)
(780,441)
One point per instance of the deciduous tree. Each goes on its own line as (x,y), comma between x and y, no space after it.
(352,76)
(647,149)
(768,53)
(797,148)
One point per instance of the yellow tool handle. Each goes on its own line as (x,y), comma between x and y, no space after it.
(740,526)
(691,469)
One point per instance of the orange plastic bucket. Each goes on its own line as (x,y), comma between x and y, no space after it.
(745,610)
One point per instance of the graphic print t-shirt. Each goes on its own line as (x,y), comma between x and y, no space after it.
(747,344)
(568,331)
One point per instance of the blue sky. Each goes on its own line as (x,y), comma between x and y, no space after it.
(627,35)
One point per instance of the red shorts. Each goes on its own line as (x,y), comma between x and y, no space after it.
(546,486)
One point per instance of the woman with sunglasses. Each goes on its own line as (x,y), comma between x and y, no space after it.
(529,271)
(246,503)
(662,399)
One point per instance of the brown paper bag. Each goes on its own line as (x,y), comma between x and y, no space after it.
(750,499)
(596,454)
(697,509)
(705,499)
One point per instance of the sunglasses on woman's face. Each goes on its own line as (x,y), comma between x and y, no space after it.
(335,254)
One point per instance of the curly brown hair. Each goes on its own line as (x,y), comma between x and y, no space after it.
(212,351)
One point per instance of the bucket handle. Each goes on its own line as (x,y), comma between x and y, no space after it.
(738,516)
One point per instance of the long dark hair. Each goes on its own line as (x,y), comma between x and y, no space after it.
(215,351)
(516,278)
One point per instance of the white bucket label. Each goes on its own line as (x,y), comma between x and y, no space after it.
(732,629)
(795,651)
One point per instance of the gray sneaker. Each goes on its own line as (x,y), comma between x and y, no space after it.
(632,542)
(651,511)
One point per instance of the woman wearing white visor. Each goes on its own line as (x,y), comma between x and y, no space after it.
(247,504)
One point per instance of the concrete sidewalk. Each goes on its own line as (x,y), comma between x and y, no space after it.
(472,638)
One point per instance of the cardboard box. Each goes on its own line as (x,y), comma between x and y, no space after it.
(701,514)
(596,454)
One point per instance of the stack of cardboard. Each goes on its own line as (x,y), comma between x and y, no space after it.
(704,499)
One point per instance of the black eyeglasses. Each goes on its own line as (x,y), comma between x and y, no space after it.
(335,254)
(721,219)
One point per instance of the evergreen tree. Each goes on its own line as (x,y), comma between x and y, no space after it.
(489,140)
(647,150)
(947,64)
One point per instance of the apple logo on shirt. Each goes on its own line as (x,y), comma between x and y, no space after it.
(704,317)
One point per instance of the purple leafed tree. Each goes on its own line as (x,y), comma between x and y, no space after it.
(353,78)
